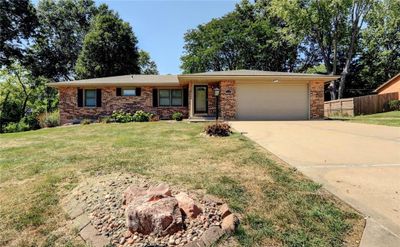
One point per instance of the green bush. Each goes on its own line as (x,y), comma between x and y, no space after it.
(122,117)
(17,127)
(218,129)
(106,120)
(394,105)
(86,121)
(178,116)
(142,116)
(49,120)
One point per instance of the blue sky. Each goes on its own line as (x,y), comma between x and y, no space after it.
(160,25)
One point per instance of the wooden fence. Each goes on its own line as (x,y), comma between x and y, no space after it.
(368,104)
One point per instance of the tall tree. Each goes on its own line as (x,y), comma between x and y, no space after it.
(63,26)
(247,38)
(109,48)
(329,31)
(359,10)
(17,25)
(379,58)
(147,66)
(320,28)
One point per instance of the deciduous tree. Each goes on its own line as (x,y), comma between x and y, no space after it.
(147,66)
(63,26)
(17,25)
(109,48)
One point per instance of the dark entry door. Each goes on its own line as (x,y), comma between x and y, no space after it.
(200,99)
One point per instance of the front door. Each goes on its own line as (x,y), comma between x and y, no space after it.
(200,99)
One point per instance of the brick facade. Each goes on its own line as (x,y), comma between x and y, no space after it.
(316,100)
(69,110)
(228,99)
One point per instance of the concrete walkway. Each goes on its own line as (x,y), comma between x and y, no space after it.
(359,163)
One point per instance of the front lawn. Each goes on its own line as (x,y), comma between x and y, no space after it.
(386,118)
(278,206)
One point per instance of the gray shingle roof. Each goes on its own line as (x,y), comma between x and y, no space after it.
(251,73)
(174,80)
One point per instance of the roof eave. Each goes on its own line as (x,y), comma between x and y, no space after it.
(257,77)
(386,83)
(110,84)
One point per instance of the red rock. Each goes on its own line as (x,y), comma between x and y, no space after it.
(159,217)
(131,193)
(224,210)
(160,189)
(188,205)
(230,223)
(153,194)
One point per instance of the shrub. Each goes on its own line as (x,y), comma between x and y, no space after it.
(106,120)
(394,105)
(16,127)
(178,116)
(218,129)
(51,119)
(122,117)
(142,116)
(86,121)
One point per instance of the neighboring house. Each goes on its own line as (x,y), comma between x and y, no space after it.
(244,95)
(391,86)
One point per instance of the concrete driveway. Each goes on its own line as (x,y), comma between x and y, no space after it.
(359,163)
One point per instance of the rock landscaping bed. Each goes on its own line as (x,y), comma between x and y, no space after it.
(128,210)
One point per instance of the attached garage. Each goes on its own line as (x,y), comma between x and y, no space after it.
(272,101)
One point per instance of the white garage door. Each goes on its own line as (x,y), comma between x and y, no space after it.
(269,101)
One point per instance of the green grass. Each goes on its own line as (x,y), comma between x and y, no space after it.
(278,206)
(387,118)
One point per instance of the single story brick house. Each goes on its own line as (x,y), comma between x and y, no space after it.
(244,95)
(391,86)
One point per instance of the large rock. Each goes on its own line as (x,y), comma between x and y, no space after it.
(133,192)
(154,193)
(188,205)
(160,217)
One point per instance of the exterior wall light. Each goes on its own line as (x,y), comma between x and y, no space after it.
(275,81)
(216,91)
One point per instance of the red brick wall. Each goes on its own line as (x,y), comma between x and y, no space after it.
(228,99)
(316,100)
(70,111)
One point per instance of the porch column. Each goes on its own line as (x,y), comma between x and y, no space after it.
(228,100)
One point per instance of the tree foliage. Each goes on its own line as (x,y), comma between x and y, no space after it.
(379,52)
(18,22)
(147,66)
(247,38)
(23,97)
(109,48)
(63,26)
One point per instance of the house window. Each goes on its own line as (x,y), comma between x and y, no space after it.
(176,97)
(128,92)
(170,97)
(90,97)
(165,97)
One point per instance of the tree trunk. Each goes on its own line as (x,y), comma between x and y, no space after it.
(332,90)
(358,12)
(2,111)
